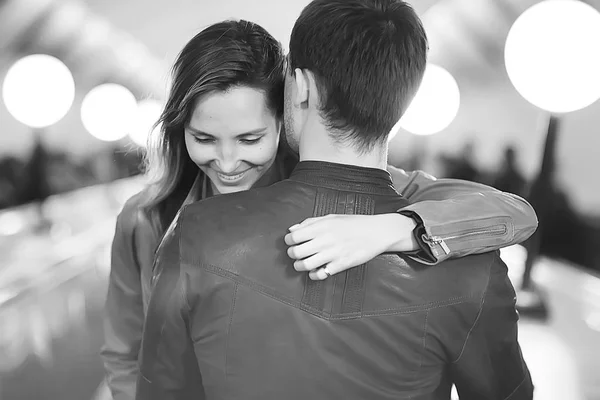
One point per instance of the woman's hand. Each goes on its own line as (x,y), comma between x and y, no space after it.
(340,242)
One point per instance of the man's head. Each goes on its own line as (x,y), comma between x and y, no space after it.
(354,65)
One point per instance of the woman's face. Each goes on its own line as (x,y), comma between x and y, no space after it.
(233,137)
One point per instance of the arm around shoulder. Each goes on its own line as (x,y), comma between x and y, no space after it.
(457,218)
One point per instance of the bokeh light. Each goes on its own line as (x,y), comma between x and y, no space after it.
(552,55)
(38,90)
(436,104)
(108,112)
(148,113)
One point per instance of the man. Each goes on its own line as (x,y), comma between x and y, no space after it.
(227,296)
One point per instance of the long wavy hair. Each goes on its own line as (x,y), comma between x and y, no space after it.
(227,54)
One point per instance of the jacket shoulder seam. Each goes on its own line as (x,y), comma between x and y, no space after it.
(273,294)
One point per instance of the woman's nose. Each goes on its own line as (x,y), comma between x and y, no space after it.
(228,160)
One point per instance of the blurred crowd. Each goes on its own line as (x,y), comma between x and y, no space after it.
(44,172)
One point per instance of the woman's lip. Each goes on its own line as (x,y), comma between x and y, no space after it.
(231,177)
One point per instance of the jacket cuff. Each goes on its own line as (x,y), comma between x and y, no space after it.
(425,253)
(460,236)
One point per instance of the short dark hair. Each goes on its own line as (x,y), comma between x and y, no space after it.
(368,58)
(225,55)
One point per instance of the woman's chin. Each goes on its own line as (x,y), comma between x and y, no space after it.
(227,189)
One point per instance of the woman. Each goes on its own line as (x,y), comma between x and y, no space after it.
(221,134)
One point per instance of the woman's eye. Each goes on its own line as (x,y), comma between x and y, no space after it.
(250,141)
(203,140)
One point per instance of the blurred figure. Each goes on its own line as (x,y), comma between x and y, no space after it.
(544,198)
(7,192)
(36,187)
(509,179)
(11,171)
(462,166)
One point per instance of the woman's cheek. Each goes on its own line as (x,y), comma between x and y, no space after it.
(260,154)
(199,154)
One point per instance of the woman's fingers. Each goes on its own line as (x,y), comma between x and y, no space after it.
(301,235)
(305,223)
(326,271)
(313,262)
(304,250)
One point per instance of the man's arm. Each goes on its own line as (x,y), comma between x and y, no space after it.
(124,314)
(457,218)
(489,364)
(168,366)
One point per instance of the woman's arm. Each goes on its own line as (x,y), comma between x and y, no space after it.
(456,218)
(124,313)
(447,218)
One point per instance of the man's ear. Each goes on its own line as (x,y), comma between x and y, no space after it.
(301,80)
(279,129)
(312,91)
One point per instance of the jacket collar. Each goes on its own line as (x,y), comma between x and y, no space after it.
(344,177)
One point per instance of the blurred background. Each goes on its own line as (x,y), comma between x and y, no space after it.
(488,111)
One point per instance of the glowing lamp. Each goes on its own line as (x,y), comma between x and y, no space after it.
(38,90)
(552,55)
(435,105)
(108,112)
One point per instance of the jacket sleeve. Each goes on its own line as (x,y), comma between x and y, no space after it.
(489,364)
(124,314)
(456,218)
(168,366)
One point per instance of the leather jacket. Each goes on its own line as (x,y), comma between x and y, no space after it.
(455,217)
(226,296)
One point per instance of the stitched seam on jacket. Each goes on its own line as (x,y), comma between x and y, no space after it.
(423,351)
(464,346)
(231,312)
(517,388)
(325,202)
(298,304)
(411,178)
(354,288)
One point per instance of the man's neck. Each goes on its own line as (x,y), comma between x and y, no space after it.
(316,145)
